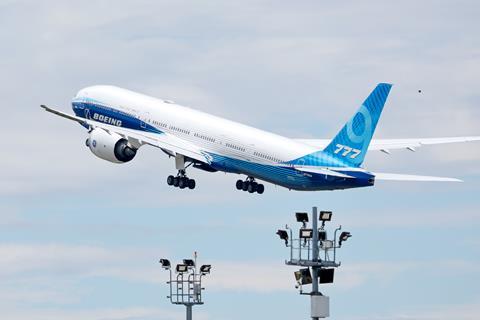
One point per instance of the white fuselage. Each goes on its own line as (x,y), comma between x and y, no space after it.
(227,145)
(212,133)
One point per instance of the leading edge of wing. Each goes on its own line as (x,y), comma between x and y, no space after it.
(409,177)
(63,114)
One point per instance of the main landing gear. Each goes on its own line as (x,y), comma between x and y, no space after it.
(250,185)
(181,181)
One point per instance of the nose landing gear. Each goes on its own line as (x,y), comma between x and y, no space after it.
(181,181)
(250,185)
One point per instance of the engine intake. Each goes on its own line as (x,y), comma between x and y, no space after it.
(110,146)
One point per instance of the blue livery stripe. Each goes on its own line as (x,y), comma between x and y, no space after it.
(351,143)
(94,110)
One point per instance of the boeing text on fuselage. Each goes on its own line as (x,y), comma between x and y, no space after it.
(107,120)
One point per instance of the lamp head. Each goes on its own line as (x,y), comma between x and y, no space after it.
(302,217)
(283,236)
(326,215)
(165,263)
(189,262)
(344,236)
(303,276)
(205,269)
(306,233)
(181,268)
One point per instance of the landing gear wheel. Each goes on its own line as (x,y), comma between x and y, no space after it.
(260,188)
(239,184)
(250,185)
(181,180)
(182,183)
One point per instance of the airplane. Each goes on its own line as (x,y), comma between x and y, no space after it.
(120,121)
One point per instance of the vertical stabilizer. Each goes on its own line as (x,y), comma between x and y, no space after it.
(351,143)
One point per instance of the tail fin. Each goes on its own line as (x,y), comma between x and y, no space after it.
(351,143)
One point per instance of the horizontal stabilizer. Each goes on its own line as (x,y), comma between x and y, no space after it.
(324,171)
(408,177)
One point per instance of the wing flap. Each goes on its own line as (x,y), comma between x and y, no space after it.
(408,177)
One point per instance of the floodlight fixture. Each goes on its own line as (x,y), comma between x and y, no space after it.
(344,236)
(306,233)
(165,263)
(205,269)
(326,275)
(302,217)
(303,276)
(326,216)
(327,244)
(322,235)
(189,262)
(284,236)
(182,268)
(298,276)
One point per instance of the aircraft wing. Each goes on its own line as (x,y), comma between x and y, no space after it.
(408,177)
(137,138)
(63,114)
(385,145)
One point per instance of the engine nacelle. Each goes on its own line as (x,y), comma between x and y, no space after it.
(110,147)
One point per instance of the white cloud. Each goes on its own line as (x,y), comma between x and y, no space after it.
(42,261)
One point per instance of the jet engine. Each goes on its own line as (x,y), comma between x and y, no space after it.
(110,146)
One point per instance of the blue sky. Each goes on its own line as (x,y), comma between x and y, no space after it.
(80,238)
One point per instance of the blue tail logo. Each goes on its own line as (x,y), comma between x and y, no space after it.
(351,143)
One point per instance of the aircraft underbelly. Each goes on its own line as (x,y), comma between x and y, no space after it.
(287,177)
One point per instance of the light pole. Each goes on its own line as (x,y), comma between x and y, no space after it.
(186,287)
(312,251)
